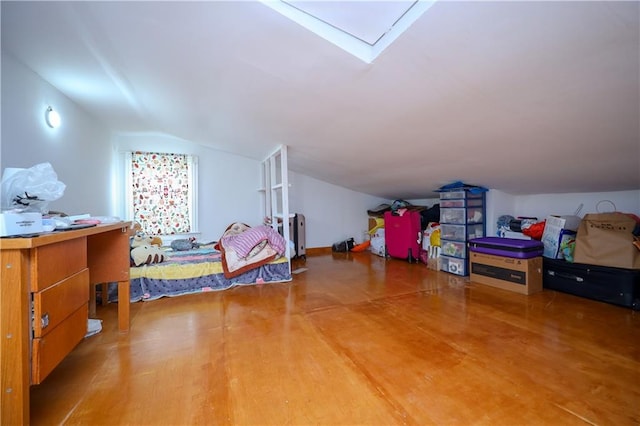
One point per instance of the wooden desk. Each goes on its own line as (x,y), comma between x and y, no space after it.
(48,277)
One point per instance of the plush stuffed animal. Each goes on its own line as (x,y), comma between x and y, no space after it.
(156,241)
(184,244)
(137,228)
(143,252)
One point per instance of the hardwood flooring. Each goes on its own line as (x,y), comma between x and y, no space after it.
(355,339)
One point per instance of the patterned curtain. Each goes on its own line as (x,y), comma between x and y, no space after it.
(161,193)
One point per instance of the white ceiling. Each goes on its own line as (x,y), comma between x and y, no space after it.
(523,97)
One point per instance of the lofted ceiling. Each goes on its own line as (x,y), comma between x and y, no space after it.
(523,97)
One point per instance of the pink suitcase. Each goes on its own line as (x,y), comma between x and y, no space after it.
(403,235)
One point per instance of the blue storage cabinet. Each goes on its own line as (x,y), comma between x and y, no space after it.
(462,218)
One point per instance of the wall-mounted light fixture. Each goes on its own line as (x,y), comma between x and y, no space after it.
(52,118)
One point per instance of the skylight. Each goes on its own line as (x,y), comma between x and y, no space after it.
(362,28)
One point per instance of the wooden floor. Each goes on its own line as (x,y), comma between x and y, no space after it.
(355,339)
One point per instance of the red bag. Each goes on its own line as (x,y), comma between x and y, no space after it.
(535,231)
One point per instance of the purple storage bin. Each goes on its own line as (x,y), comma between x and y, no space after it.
(507,247)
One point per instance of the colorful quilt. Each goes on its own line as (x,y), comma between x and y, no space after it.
(195,271)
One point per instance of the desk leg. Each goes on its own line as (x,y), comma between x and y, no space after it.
(92,301)
(14,338)
(124,300)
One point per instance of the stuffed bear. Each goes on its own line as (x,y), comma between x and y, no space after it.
(156,241)
(136,228)
(143,252)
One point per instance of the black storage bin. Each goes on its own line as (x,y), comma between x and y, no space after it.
(611,285)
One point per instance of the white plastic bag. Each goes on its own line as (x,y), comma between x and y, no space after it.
(30,189)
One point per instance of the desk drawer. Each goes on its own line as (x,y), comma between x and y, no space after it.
(49,350)
(53,305)
(54,262)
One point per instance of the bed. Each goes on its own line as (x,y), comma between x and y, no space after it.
(243,256)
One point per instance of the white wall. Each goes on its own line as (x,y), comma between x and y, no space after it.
(426,202)
(542,205)
(332,213)
(563,204)
(79,150)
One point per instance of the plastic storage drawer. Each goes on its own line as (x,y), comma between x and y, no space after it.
(453,248)
(453,265)
(472,202)
(451,195)
(461,232)
(461,216)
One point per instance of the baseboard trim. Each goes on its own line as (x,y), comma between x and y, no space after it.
(318,251)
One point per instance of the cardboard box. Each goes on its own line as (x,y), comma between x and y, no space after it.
(20,223)
(522,276)
(556,230)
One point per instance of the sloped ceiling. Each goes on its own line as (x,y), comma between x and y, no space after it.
(523,97)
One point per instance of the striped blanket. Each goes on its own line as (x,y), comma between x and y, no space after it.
(195,271)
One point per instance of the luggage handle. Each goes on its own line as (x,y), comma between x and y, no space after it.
(566,276)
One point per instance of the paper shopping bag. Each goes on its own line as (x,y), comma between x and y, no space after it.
(606,239)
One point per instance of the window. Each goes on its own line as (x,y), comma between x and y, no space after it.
(161,192)
(361,28)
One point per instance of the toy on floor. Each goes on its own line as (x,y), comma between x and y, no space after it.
(361,247)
